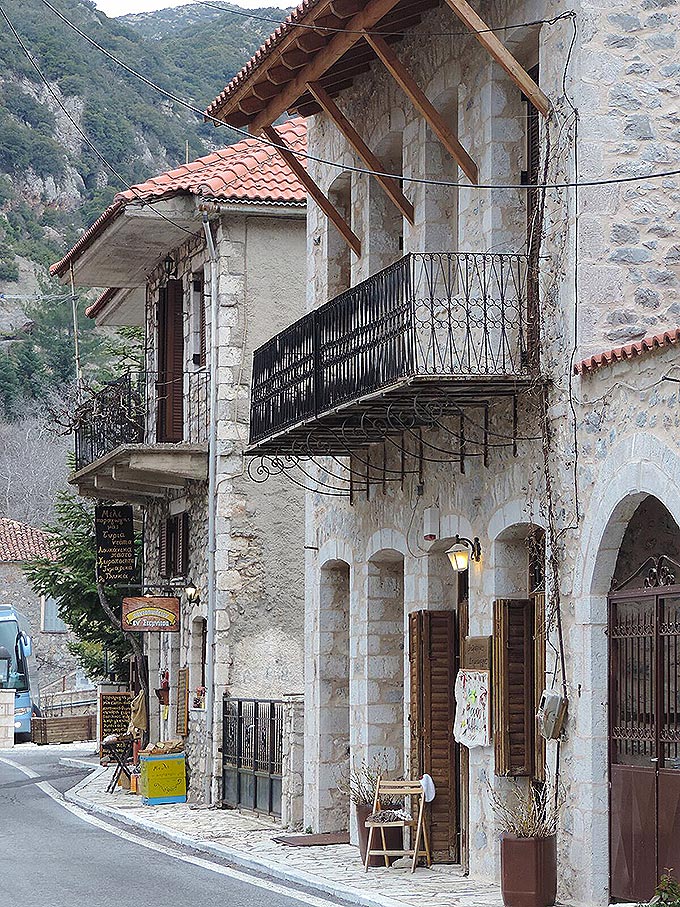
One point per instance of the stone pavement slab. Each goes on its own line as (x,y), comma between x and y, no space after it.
(247,840)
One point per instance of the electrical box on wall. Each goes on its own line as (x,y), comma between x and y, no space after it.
(550,715)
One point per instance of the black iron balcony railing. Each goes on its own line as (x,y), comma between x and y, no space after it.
(126,411)
(439,314)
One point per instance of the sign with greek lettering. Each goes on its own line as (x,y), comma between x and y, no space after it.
(115,538)
(151,613)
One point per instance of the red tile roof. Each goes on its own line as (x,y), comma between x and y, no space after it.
(21,542)
(630,351)
(101,302)
(248,172)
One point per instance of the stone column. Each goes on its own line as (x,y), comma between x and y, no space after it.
(293,763)
(6,719)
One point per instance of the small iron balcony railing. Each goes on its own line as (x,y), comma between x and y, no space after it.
(432,314)
(128,411)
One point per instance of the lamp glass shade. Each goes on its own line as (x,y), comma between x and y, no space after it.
(459,555)
(191,592)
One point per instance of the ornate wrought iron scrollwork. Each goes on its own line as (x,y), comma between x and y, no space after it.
(660,574)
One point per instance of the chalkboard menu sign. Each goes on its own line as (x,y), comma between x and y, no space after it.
(114,713)
(182,722)
(115,536)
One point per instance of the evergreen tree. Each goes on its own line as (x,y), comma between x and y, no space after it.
(9,388)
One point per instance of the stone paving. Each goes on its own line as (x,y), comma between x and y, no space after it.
(248,840)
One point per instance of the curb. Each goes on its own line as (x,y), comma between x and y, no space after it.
(276,870)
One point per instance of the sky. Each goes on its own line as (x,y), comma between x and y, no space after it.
(121,7)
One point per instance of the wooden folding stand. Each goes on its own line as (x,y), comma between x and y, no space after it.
(397,790)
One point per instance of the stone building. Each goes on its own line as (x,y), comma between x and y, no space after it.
(51,659)
(461,373)
(207,260)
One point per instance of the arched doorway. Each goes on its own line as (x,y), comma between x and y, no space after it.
(644,704)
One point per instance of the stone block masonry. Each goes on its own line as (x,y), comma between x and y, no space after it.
(6,719)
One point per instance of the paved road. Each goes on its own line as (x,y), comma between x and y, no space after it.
(51,856)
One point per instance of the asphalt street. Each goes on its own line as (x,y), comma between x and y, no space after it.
(54,856)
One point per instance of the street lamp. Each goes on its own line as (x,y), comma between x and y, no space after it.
(192,592)
(463,551)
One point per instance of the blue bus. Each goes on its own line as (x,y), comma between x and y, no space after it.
(18,645)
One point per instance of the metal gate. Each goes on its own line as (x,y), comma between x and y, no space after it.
(252,750)
(644,734)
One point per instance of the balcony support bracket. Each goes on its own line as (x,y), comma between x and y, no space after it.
(428,111)
(322,200)
(501,54)
(388,183)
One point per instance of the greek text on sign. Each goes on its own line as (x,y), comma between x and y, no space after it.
(115,537)
(149,613)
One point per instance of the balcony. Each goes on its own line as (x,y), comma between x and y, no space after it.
(142,434)
(444,330)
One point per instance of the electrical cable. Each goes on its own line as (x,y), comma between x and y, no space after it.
(304,155)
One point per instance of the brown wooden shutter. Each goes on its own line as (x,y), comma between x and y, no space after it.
(432,653)
(198,288)
(182,543)
(513,687)
(163,550)
(170,386)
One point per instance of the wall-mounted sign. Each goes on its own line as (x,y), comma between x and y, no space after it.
(182,719)
(115,537)
(472,723)
(477,653)
(150,613)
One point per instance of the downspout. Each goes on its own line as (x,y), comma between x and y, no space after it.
(212,512)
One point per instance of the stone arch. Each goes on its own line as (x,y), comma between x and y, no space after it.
(385,233)
(338,254)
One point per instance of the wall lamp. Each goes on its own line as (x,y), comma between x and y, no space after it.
(462,551)
(170,267)
(192,593)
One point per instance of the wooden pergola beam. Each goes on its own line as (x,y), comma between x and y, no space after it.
(322,201)
(501,54)
(372,13)
(420,101)
(372,161)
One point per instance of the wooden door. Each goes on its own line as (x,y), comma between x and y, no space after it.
(170,382)
(644,739)
(433,646)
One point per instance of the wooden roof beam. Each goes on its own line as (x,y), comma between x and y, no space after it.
(501,54)
(419,100)
(372,13)
(322,201)
(389,184)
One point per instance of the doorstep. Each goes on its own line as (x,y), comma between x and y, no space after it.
(248,842)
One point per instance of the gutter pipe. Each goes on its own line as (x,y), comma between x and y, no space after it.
(212,513)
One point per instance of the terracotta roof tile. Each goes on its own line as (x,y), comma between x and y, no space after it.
(629,351)
(21,542)
(248,172)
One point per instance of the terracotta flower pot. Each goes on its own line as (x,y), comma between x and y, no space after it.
(393,836)
(528,871)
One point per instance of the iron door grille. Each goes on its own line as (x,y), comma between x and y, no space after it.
(252,752)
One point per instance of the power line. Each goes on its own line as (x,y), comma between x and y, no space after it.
(347,167)
(329,29)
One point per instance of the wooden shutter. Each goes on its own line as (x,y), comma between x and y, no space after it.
(170,386)
(198,288)
(513,686)
(182,544)
(432,654)
(163,550)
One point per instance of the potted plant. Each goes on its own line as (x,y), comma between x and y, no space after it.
(528,818)
(360,788)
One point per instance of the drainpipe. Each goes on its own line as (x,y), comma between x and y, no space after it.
(212,512)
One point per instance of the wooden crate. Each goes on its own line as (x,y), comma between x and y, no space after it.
(67,729)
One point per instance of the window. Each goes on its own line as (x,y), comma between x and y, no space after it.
(50,622)
(173,555)
(198,319)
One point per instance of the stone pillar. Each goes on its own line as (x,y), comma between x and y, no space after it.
(6,719)
(293,763)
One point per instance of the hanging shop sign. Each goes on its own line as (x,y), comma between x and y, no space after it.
(472,723)
(477,653)
(115,538)
(150,613)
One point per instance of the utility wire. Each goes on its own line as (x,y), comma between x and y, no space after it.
(329,29)
(304,155)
